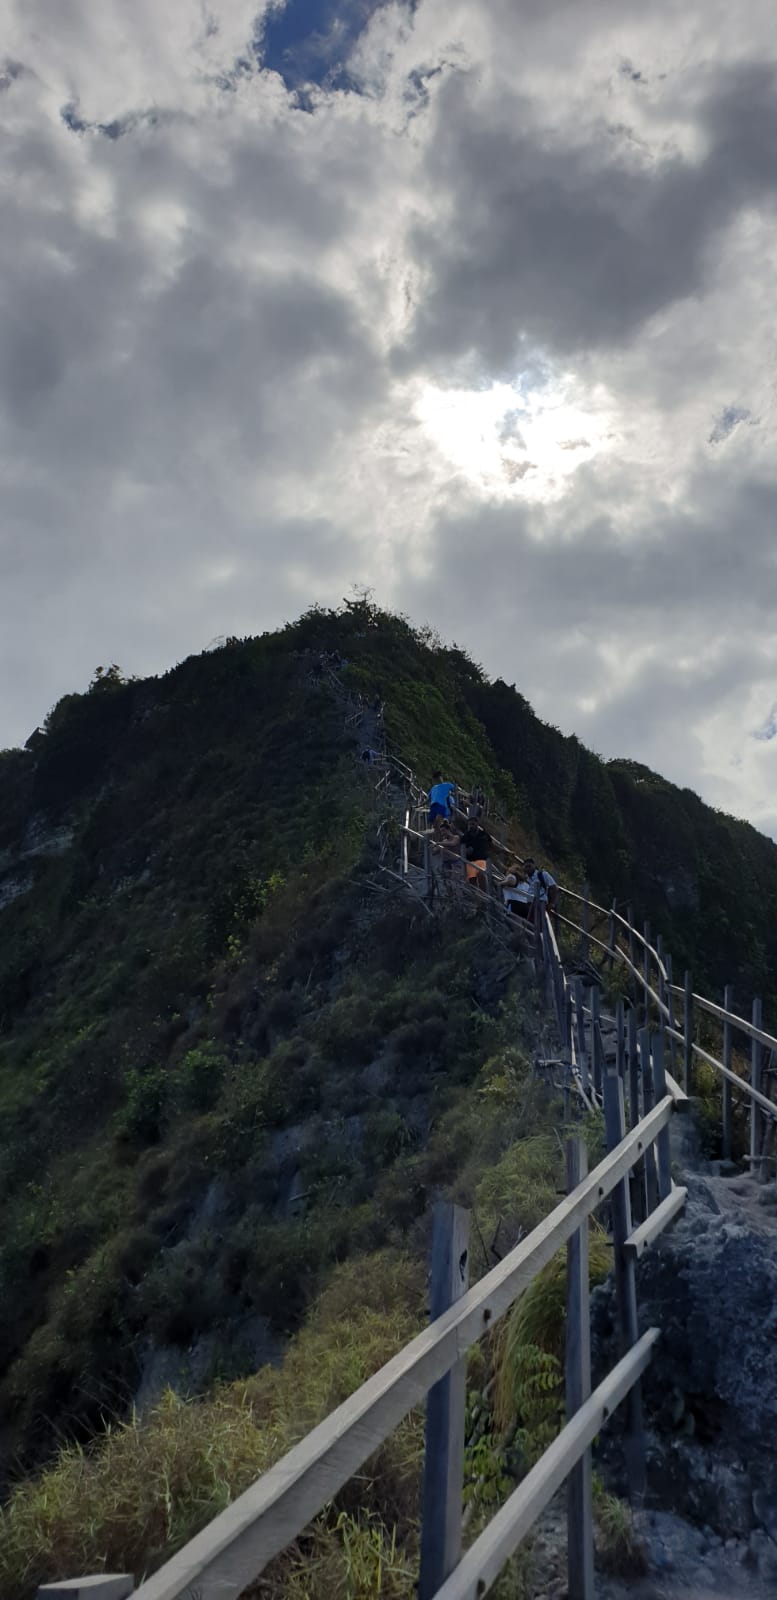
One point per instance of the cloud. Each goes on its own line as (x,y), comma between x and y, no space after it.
(768,728)
(487,324)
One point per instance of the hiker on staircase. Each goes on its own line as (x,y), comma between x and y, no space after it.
(477,844)
(440,801)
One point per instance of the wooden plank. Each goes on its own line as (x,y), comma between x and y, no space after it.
(648,1231)
(580,1529)
(101,1586)
(755,1081)
(445,1407)
(481,1565)
(682,1101)
(687,1032)
(663,1153)
(625,1287)
(236,1546)
(728,1002)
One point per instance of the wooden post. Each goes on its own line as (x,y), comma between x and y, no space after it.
(538,926)
(688,1034)
(611,937)
(670,1007)
(625,1287)
(648,1101)
(619,1040)
(586,920)
(633,1069)
(582,1051)
(597,1049)
(728,1005)
(660,953)
(445,1407)
(662,1142)
(632,954)
(638,1170)
(580,1533)
(755,1080)
(646,966)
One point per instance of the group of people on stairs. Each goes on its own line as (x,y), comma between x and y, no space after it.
(521,890)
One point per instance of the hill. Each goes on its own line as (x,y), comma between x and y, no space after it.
(231,1058)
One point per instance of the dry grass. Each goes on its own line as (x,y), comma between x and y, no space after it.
(141,1490)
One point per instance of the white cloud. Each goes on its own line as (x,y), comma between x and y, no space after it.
(494,335)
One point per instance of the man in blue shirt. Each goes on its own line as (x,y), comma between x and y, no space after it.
(439,800)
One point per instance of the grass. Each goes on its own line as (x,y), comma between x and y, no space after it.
(146,1485)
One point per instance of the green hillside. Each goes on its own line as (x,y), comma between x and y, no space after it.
(234,1059)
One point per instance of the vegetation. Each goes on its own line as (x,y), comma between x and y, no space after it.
(235,1069)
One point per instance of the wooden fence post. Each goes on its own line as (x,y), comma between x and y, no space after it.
(611,937)
(625,1287)
(638,1170)
(582,1051)
(688,1034)
(728,1005)
(648,1102)
(580,1533)
(669,997)
(445,1408)
(620,1053)
(632,955)
(586,920)
(663,1151)
(538,943)
(755,1080)
(597,1049)
(646,967)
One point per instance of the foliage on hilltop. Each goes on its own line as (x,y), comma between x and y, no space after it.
(230,1059)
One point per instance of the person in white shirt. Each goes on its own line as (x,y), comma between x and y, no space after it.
(519,894)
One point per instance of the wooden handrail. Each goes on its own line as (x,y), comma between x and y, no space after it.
(236,1546)
(732,1017)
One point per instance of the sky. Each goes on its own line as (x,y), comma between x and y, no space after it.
(467,301)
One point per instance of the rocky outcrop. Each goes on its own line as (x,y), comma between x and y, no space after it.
(710,1396)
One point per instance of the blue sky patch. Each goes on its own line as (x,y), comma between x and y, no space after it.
(310,41)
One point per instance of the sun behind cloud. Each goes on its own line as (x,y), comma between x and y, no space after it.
(519,439)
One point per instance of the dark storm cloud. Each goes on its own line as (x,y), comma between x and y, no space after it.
(568,244)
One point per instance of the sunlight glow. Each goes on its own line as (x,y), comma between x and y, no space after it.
(516,441)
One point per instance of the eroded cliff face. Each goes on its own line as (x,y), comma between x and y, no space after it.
(710,1396)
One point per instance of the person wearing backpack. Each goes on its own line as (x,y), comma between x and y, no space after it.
(538,877)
